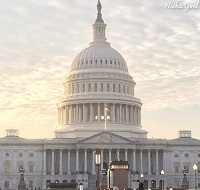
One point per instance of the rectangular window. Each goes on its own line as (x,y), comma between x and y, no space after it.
(20,154)
(113,87)
(176,170)
(198,165)
(30,154)
(6,184)
(176,155)
(186,155)
(30,168)
(176,183)
(30,183)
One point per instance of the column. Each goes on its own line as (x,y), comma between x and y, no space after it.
(135,115)
(127,114)
(118,158)
(141,164)
(134,161)
(68,162)
(84,112)
(70,114)
(91,113)
(181,161)
(164,160)
(157,172)
(113,113)
(126,155)
(101,159)
(61,115)
(60,168)
(131,114)
(120,113)
(99,113)
(77,116)
(77,160)
(149,162)
(93,160)
(79,113)
(110,156)
(74,114)
(44,163)
(139,115)
(85,166)
(58,116)
(52,163)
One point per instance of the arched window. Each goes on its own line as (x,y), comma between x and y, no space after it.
(72,88)
(83,88)
(7,167)
(128,89)
(119,88)
(69,89)
(114,88)
(124,89)
(101,87)
(89,87)
(95,87)
(108,87)
(77,88)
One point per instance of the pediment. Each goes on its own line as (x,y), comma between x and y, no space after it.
(105,138)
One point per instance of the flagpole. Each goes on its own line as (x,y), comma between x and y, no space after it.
(105,115)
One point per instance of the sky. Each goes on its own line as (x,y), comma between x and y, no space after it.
(160,41)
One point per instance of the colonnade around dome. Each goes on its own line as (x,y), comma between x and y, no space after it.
(95,112)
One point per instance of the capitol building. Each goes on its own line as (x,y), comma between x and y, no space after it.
(98,110)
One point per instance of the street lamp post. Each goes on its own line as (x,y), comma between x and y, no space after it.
(142,175)
(195,168)
(98,163)
(162,174)
(80,186)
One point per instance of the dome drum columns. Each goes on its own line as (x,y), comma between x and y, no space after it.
(95,112)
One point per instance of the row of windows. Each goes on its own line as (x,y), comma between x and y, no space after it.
(101,62)
(7,167)
(20,154)
(98,87)
(176,155)
(187,168)
(30,154)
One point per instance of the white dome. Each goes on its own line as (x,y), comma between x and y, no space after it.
(99,55)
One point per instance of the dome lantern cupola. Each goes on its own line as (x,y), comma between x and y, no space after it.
(99,26)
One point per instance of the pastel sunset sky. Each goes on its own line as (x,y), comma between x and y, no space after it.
(40,38)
